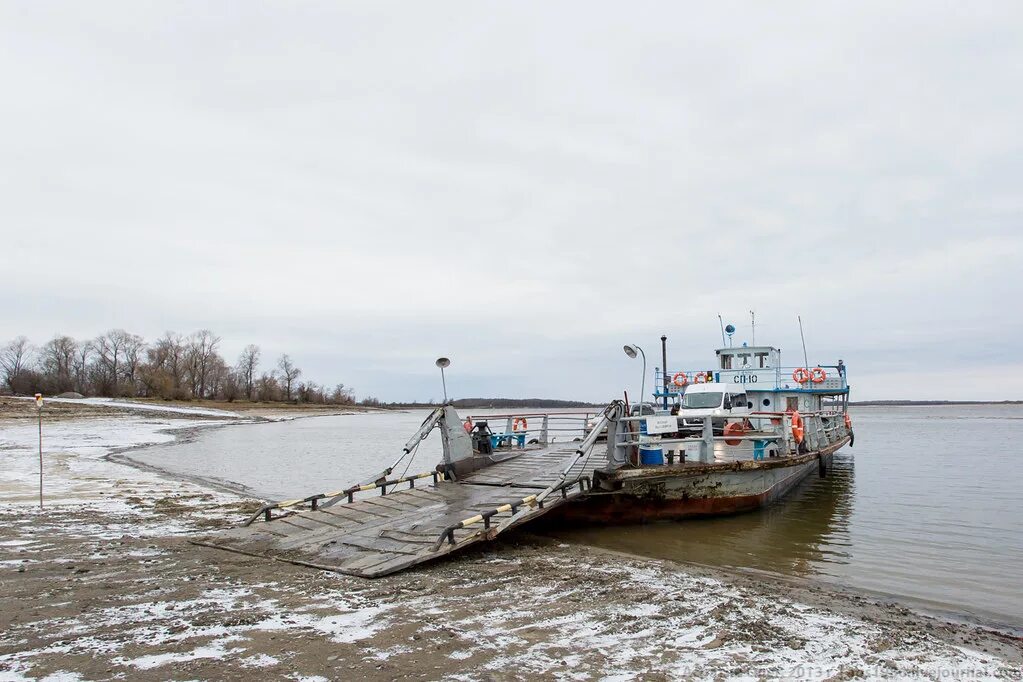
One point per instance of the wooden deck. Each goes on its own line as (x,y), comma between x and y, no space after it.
(380,534)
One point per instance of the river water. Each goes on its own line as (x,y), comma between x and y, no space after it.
(925,508)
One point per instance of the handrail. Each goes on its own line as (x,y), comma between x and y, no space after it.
(314,500)
(530,501)
(818,428)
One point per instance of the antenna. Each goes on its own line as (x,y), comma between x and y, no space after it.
(753,324)
(722,323)
(806,363)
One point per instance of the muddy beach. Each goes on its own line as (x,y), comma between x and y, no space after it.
(103,584)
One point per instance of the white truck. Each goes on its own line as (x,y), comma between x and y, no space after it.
(723,403)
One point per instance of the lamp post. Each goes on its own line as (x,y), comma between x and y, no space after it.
(632,351)
(442,363)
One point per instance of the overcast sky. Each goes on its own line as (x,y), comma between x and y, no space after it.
(523,187)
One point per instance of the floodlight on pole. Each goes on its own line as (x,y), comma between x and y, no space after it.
(442,363)
(632,351)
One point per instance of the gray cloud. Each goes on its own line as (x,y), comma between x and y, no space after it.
(523,188)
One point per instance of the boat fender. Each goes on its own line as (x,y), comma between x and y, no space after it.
(680,379)
(848,421)
(822,469)
(520,420)
(818,375)
(852,438)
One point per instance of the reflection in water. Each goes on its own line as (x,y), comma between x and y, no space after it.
(808,529)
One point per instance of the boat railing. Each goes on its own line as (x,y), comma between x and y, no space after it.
(753,436)
(517,429)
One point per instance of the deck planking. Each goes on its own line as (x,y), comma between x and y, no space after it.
(380,534)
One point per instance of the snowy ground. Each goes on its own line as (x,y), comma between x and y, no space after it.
(102,584)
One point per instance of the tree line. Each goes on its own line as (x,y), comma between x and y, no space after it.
(119,364)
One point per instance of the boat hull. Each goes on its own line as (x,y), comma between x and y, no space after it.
(691,491)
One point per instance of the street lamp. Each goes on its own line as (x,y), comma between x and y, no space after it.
(442,363)
(632,351)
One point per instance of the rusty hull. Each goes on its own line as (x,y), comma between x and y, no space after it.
(656,493)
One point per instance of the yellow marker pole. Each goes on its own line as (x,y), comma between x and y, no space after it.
(39,411)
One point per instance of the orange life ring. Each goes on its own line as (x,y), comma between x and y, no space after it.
(800,375)
(467,425)
(700,377)
(818,375)
(797,426)
(734,429)
(848,421)
(680,379)
(522,420)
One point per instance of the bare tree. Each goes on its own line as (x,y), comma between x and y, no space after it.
(201,354)
(14,359)
(110,349)
(80,366)
(134,347)
(164,369)
(248,361)
(289,373)
(342,395)
(267,386)
(56,361)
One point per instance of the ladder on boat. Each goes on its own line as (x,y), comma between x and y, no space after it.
(398,524)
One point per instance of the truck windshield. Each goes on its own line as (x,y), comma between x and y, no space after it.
(701,400)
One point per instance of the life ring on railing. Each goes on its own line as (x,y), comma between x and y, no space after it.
(517,421)
(680,379)
(800,375)
(797,427)
(734,429)
(467,425)
(818,375)
(700,377)
(848,421)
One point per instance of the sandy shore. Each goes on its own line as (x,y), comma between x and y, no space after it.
(104,584)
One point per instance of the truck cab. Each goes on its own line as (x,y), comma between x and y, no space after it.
(722,402)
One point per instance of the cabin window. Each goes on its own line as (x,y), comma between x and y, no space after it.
(736,400)
(726,362)
(761,360)
(744,357)
(791,403)
(697,401)
(767,402)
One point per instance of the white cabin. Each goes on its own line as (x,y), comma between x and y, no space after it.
(771,386)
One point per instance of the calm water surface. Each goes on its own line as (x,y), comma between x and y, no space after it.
(925,507)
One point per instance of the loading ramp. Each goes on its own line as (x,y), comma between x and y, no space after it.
(379,528)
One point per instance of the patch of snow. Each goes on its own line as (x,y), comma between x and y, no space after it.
(215,650)
(259,661)
(138,406)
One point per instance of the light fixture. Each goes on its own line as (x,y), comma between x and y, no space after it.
(442,363)
(633,350)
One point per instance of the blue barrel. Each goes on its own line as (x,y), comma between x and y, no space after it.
(651,454)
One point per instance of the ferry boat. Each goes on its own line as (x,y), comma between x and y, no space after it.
(725,439)
(740,435)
